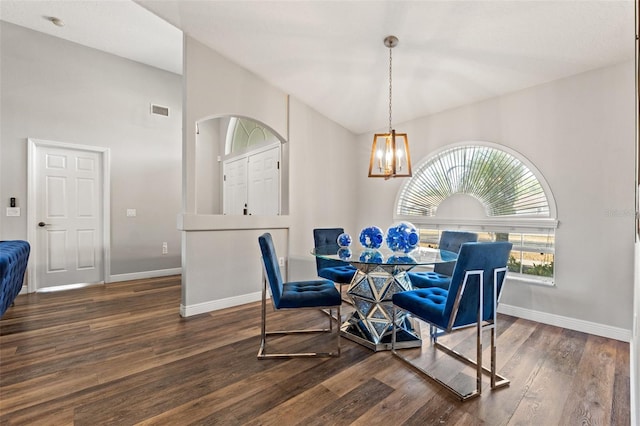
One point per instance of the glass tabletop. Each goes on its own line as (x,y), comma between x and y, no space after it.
(355,255)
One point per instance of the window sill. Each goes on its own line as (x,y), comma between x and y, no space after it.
(531,279)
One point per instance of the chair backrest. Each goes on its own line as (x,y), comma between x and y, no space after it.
(271,267)
(451,241)
(486,256)
(14,256)
(327,238)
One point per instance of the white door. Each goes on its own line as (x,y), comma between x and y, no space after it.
(235,186)
(264,183)
(67,191)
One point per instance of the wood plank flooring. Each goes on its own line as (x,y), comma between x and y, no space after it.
(120,354)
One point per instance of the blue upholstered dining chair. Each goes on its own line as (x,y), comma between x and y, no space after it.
(441,275)
(314,294)
(334,270)
(470,301)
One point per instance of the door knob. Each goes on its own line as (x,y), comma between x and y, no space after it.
(42,224)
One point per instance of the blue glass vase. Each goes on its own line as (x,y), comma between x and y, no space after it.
(344,240)
(402,237)
(371,237)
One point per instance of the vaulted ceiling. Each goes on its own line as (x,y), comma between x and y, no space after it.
(330,54)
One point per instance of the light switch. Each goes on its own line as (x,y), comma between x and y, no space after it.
(131,212)
(13,211)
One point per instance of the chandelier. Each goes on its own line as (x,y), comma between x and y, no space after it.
(390,151)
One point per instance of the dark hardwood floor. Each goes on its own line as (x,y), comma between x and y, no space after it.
(120,354)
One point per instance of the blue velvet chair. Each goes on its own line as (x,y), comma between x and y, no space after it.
(315,294)
(470,301)
(334,270)
(14,256)
(441,275)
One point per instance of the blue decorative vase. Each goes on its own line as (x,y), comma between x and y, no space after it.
(344,240)
(371,256)
(344,253)
(371,237)
(402,237)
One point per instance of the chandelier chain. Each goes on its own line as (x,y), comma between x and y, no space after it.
(390,89)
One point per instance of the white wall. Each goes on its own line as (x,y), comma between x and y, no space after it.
(208,167)
(221,264)
(56,90)
(579,132)
(214,86)
(220,255)
(323,177)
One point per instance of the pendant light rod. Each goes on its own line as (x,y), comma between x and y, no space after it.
(390,42)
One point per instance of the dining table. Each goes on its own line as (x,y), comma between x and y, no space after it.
(380,273)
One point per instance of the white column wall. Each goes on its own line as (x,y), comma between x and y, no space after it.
(221,263)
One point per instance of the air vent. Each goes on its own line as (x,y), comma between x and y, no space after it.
(159,110)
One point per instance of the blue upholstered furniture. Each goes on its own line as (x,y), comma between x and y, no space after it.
(315,294)
(441,275)
(334,270)
(471,300)
(14,256)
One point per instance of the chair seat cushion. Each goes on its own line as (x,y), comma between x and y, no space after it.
(309,294)
(338,274)
(429,279)
(427,304)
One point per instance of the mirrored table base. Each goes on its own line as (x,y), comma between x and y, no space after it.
(371,291)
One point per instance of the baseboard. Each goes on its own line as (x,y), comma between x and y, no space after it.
(596,329)
(215,305)
(145,274)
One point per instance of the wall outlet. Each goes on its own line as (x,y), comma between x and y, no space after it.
(131,213)
(165,248)
(281,261)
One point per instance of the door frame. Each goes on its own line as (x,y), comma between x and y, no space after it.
(32,150)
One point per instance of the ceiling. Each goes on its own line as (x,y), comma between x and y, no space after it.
(330,54)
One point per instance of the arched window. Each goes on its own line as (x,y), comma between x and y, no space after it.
(488,189)
(245,134)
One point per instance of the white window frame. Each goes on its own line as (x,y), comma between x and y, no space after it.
(506,224)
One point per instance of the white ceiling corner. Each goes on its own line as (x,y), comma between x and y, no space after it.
(119,27)
(330,54)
